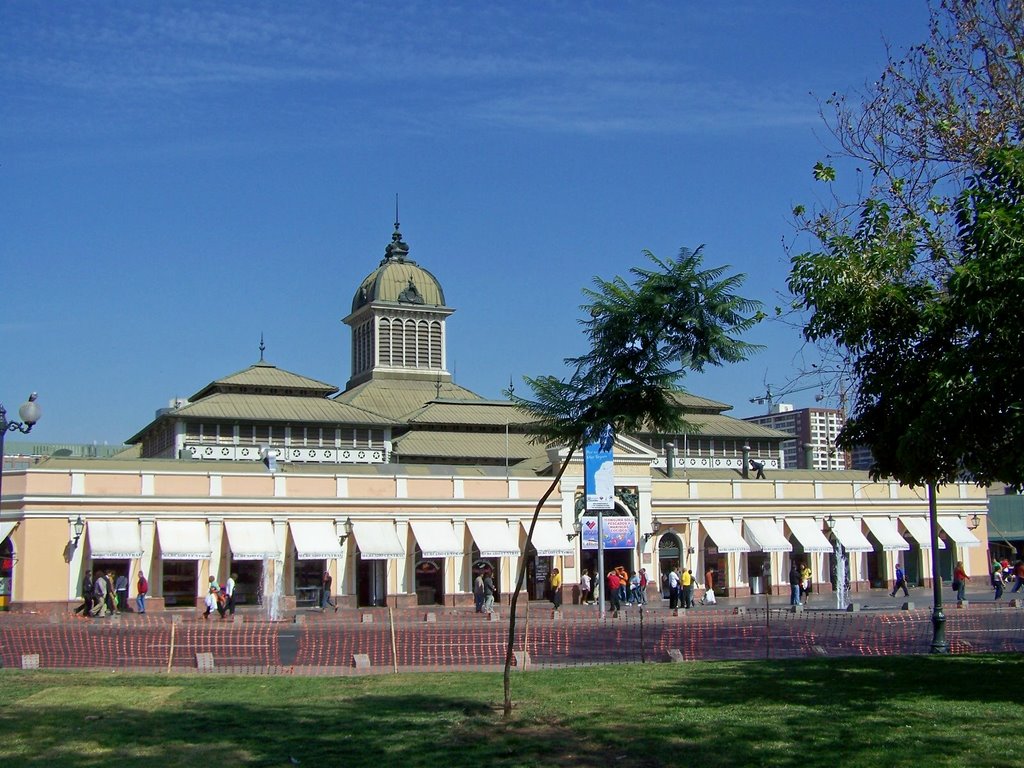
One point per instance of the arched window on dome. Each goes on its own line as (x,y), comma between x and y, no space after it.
(423,344)
(397,342)
(435,345)
(384,335)
(409,358)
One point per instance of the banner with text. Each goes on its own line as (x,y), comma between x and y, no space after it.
(599,472)
(619,532)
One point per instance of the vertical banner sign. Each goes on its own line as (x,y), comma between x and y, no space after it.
(599,474)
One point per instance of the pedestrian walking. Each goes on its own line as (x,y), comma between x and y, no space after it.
(556,588)
(230,591)
(1018,575)
(686,584)
(141,590)
(488,593)
(478,592)
(997,579)
(613,589)
(87,595)
(325,593)
(794,584)
(901,582)
(212,603)
(99,596)
(960,579)
(121,592)
(585,587)
(673,588)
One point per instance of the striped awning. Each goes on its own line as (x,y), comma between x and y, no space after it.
(316,539)
(549,539)
(765,536)
(957,530)
(848,531)
(436,538)
(251,539)
(493,538)
(6,526)
(377,540)
(808,533)
(183,539)
(920,529)
(726,535)
(885,531)
(114,539)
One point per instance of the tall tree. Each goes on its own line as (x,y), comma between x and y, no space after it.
(645,334)
(894,285)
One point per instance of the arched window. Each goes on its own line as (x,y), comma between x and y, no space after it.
(435,345)
(385,342)
(409,358)
(422,344)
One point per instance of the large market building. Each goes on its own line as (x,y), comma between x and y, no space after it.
(403,485)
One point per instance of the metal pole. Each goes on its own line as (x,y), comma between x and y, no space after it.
(939,643)
(600,560)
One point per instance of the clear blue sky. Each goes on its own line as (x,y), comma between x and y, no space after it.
(178,178)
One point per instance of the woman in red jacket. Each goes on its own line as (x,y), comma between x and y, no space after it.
(960,579)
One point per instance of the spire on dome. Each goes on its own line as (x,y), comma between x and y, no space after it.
(397,249)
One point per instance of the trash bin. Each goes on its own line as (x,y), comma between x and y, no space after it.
(756,585)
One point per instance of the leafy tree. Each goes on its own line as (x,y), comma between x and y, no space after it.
(910,280)
(645,334)
(918,132)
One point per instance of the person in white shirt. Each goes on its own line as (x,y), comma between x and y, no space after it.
(230,590)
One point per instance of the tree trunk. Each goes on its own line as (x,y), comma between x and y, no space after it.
(519,582)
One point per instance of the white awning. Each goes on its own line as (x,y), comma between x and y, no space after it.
(765,536)
(493,538)
(885,531)
(316,539)
(377,541)
(549,539)
(183,539)
(808,533)
(847,530)
(114,539)
(958,531)
(436,538)
(725,535)
(921,531)
(251,539)
(6,527)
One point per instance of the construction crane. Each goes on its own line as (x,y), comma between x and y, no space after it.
(771,398)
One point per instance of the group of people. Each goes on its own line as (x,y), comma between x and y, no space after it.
(104,594)
(681,587)
(220,598)
(624,588)
(799,582)
(484,592)
(1003,572)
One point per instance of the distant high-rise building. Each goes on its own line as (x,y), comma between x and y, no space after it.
(816,427)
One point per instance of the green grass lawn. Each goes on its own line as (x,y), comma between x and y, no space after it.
(919,712)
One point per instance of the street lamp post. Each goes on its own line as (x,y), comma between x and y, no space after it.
(29,414)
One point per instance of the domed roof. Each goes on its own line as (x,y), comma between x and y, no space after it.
(399,279)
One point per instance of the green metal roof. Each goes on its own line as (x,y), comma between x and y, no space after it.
(279,408)
(397,398)
(695,403)
(489,413)
(719,425)
(264,376)
(460,445)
